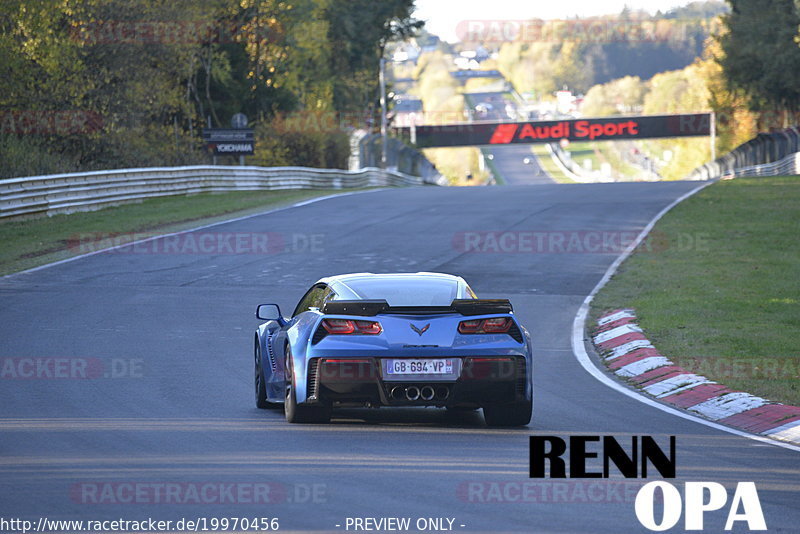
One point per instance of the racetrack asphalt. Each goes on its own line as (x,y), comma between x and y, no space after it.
(509,159)
(177,327)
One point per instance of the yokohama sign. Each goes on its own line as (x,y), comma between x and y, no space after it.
(605,129)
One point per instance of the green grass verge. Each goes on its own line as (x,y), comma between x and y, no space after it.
(29,243)
(498,178)
(550,167)
(621,168)
(717,290)
(584,151)
(605,152)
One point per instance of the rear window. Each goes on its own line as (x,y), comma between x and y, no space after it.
(407,292)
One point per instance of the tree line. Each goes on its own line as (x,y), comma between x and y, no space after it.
(96,84)
(581,53)
(748,74)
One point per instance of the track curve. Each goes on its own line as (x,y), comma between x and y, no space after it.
(182,412)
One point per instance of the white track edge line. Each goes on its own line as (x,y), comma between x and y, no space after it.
(579,350)
(189,230)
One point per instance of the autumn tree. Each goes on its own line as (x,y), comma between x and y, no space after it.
(760,55)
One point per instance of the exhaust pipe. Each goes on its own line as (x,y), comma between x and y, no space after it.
(426,393)
(412,393)
(397,393)
(442,393)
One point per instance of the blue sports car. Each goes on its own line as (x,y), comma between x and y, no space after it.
(372,340)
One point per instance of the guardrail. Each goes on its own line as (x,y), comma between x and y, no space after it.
(764,149)
(399,156)
(67,193)
(569,168)
(790,165)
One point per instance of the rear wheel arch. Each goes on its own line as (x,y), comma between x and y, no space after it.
(259,378)
(300,413)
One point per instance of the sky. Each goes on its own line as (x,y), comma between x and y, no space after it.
(443,16)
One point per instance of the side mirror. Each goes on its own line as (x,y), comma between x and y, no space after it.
(269,312)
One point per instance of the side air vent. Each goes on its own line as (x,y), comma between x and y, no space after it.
(522,377)
(313,377)
(319,335)
(271,355)
(515,332)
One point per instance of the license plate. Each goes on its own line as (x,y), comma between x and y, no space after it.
(419,367)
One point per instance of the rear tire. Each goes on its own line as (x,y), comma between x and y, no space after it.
(296,413)
(513,414)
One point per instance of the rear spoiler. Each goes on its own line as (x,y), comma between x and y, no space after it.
(369,308)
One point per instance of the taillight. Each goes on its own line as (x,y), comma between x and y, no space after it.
(495,325)
(368,327)
(469,327)
(339,326)
(349,326)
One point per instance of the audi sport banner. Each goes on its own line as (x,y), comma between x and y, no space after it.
(606,129)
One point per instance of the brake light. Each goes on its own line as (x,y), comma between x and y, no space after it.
(339,326)
(349,326)
(368,327)
(495,325)
(469,327)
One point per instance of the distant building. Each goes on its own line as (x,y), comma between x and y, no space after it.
(480,54)
(466,74)
(566,102)
(406,52)
(407,111)
(465,63)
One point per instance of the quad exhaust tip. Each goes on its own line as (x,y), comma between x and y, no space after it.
(426,393)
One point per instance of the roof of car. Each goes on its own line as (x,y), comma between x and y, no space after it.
(347,285)
(354,277)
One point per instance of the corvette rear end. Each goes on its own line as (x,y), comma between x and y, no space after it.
(465,356)
(468,354)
